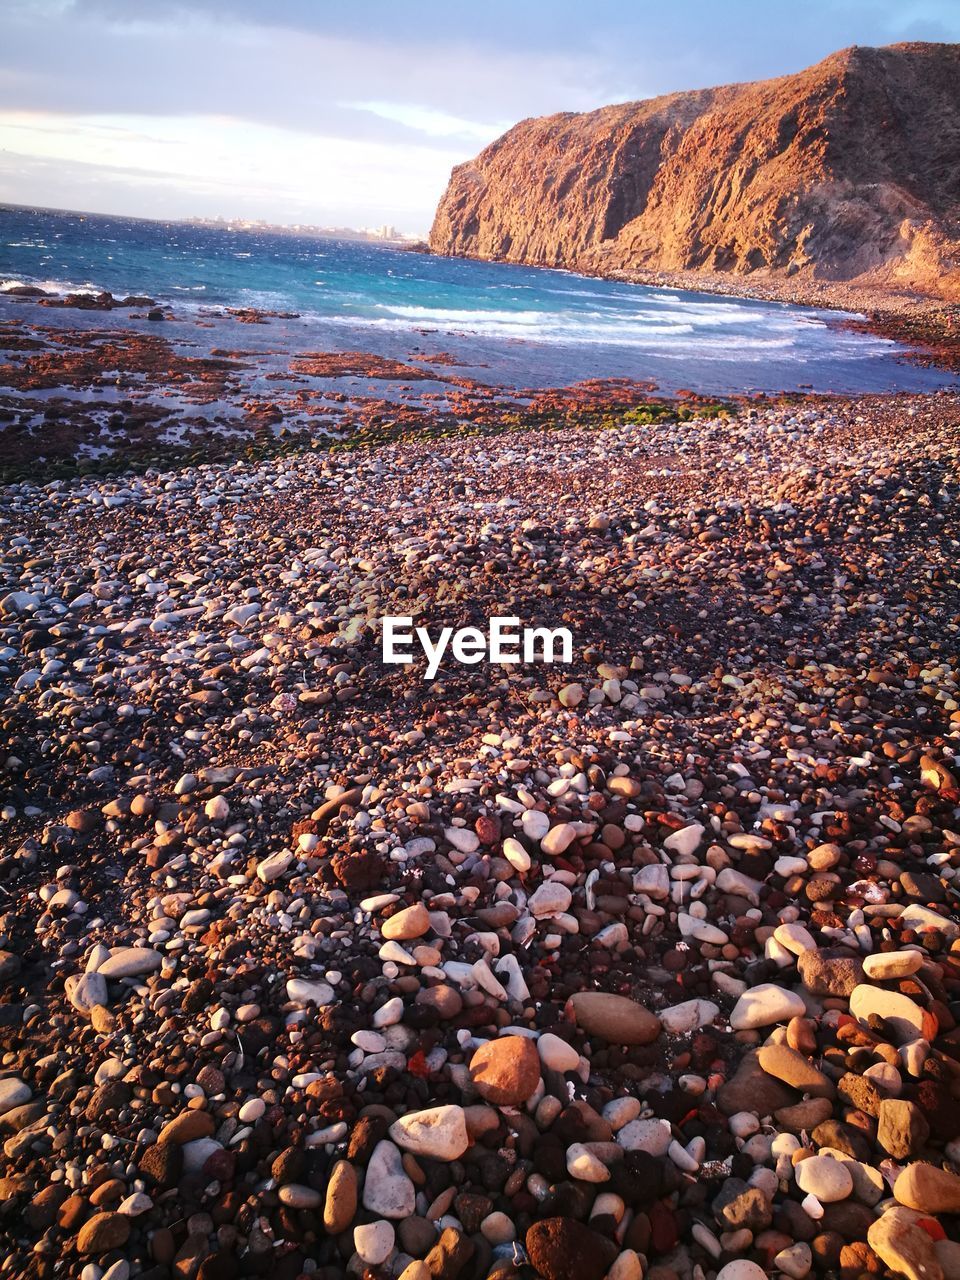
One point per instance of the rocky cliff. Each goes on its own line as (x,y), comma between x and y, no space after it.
(847,171)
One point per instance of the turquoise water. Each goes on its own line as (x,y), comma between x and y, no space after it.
(509,325)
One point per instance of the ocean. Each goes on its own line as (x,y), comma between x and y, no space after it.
(507,325)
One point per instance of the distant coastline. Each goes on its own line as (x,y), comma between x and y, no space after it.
(384,234)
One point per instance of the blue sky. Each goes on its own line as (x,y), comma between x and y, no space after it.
(321,111)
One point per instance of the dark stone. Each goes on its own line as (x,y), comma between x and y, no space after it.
(162,1164)
(826,1250)
(197,996)
(739,1205)
(417,1236)
(848,1219)
(449,1255)
(922,886)
(364,869)
(472,1209)
(289,1166)
(107,1099)
(844,1137)
(367,1132)
(751,1089)
(562,1249)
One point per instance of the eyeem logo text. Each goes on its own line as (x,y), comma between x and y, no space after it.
(504,641)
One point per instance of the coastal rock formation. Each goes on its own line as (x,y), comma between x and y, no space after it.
(849,170)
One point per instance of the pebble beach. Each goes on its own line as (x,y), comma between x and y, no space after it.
(645,968)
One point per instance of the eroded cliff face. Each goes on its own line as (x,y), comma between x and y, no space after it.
(849,170)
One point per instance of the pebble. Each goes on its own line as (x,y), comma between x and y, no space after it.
(558,840)
(274,866)
(103,1232)
(296,1196)
(86,991)
(302,991)
(795,1261)
(438,1132)
(13,1093)
(905,1018)
(550,900)
(564,1249)
(289,936)
(412,922)
(741,1269)
(340,1205)
(652,1136)
(557,1054)
(765,1004)
(827,1179)
(585,1165)
(387,1190)
(886,966)
(691,1015)
(686,840)
(928,1188)
(506,1071)
(903,1245)
(614,1018)
(130,962)
(374,1241)
(793,1069)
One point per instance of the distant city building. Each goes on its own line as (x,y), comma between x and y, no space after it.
(387,233)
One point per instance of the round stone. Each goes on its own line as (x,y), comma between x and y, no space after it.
(557,1054)
(585,1165)
(928,1189)
(616,1019)
(412,922)
(822,1176)
(296,1196)
(130,962)
(103,1232)
(887,965)
(498,1228)
(558,839)
(374,1241)
(652,1136)
(340,1205)
(438,1132)
(763,1005)
(741,1269)
(13,1093)
(506,1071)
(516,855)
(906,1020)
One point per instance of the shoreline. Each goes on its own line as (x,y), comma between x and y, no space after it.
(929,323)
(151,389)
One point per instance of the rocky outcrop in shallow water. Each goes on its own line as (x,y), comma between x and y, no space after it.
(849,170)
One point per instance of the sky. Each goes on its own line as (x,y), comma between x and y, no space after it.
(353,114)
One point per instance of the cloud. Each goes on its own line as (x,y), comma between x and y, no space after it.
(430,121)
(412,89)
(216,165)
